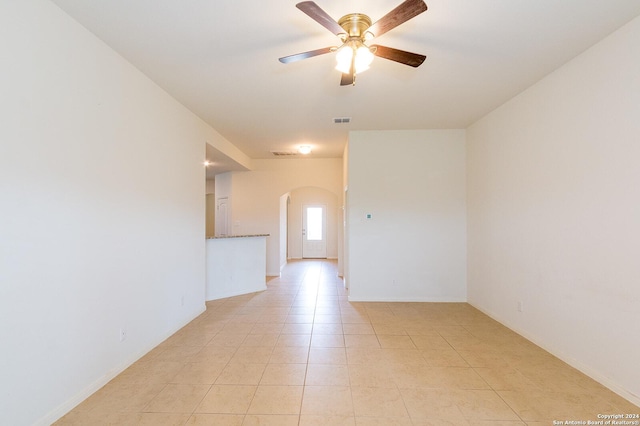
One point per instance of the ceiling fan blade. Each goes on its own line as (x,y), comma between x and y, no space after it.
(320,16)
(305,55)
(401,56)
(407,10)
(347,79)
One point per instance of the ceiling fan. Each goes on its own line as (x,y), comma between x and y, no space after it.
(354,29)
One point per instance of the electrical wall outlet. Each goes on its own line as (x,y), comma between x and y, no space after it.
(520,306)
(123,334)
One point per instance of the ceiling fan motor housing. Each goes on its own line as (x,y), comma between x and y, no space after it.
(355,24)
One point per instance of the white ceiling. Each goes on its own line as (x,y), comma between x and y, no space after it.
(220,59)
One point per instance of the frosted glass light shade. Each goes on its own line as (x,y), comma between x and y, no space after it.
(364,57)
(344,57)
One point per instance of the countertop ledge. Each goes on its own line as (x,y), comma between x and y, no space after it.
(238,236)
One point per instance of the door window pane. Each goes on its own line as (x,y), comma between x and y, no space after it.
(314,223)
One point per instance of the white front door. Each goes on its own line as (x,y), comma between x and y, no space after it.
(314,231)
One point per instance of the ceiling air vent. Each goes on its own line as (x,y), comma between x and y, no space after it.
(341,120)
(284,153)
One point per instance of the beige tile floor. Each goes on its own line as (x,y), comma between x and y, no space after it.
(300,354)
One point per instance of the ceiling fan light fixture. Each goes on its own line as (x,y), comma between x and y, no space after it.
(356,29)
(345,57)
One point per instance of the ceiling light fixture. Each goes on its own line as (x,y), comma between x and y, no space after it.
(207,163)
(354,30)
(304,149)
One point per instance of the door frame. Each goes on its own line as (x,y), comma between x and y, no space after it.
(324,230)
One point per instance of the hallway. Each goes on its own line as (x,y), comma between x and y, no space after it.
(300,354)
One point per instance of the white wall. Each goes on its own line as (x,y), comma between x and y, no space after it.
(414,246)
(283,228)
(554,212)
(210,186)
(256,195)
(210,207)
(102,213)
(210,215)
(343,247)
(235,266)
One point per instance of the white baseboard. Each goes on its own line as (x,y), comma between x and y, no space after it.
(407,299)
(311,258)
(224,295)
(92,388)
(595,375)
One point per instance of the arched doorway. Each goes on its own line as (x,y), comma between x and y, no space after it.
(292,227)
